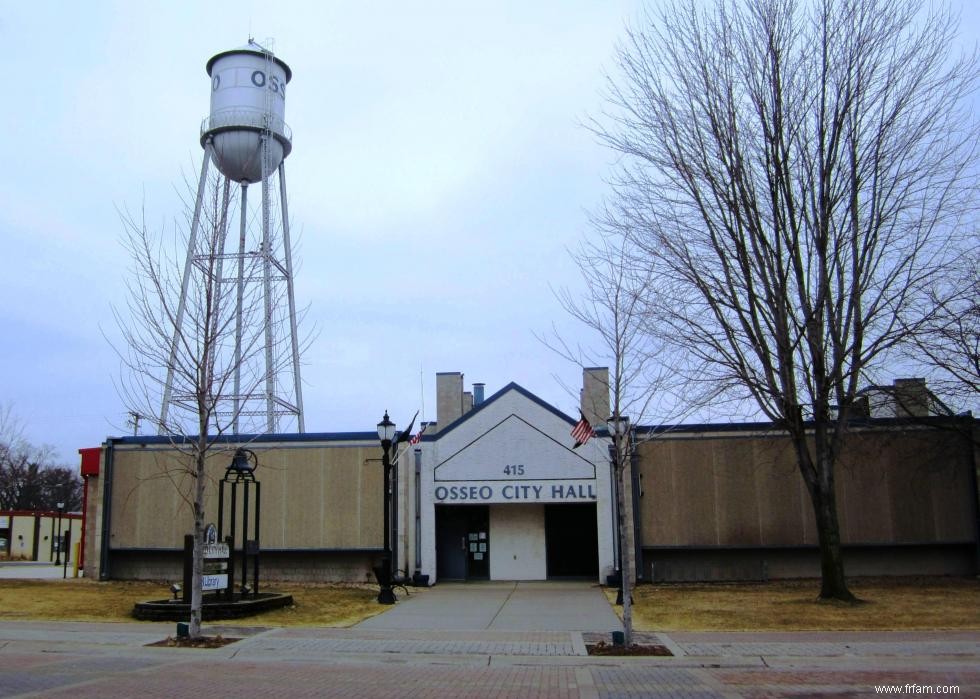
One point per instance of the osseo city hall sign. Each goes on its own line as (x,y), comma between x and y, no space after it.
(513,492)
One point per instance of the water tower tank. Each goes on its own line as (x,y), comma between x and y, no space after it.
(248,96)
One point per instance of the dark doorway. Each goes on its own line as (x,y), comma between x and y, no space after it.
(572,540)
(463,542)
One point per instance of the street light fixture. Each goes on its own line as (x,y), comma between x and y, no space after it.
(619,426)
(384,574)
(57,561)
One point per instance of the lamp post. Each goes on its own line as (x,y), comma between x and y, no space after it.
(386,433)
(57,561)
(619,426)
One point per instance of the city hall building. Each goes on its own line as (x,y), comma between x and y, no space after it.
(495,490)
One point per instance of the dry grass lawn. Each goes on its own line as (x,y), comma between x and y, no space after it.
(926,603)
(86,600)
(900,604)
(324,605)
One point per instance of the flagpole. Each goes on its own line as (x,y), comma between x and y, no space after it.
(422,391)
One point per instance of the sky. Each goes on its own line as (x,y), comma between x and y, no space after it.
(440,172)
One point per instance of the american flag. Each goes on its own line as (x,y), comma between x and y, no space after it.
(582,432)
(416,438)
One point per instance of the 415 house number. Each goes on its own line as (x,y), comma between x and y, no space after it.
(514,470)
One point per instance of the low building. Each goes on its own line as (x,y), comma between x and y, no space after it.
(495,490)
(35,535)
(904,398)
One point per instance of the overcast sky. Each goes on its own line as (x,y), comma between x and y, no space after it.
(439,172)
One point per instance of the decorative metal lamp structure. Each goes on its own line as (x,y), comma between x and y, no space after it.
(241,473)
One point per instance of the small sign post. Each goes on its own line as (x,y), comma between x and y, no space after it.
(66,543)
(215,573)
(216,563)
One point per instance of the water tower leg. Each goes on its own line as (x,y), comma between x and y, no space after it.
(237,407)
(288,252)
(270,383)
(188,263)
(222,233)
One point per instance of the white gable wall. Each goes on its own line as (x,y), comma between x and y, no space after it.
(514,451)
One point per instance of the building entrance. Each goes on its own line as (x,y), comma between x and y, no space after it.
(572,540)
(463,542)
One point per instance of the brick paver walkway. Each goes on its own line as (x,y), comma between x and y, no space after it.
(293,647)
(112,660)
(813,650)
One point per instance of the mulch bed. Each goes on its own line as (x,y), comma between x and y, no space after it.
(199,642)
(603,648)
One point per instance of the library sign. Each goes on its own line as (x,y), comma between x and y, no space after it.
(215,573)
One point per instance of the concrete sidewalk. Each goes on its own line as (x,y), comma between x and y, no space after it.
(501,606)
(31,570)
(112,660)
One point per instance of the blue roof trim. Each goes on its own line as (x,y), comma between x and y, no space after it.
(496,396)
(768,426)
(601,430)
(254,438)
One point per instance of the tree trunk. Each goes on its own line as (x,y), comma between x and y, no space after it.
(625,551)
(833,584)
(197,593)
(817,470)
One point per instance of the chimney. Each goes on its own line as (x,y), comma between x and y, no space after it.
(595,395)
(861,407)
(467,402)
(449,397)
(911,398)
(478,394)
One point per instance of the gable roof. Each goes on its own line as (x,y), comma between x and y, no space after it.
(496,396)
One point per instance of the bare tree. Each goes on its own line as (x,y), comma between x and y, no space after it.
(30,477)
(948,342)
(795,174)
(615,308)
(221,333)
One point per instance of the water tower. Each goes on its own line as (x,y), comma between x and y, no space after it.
(247,139)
